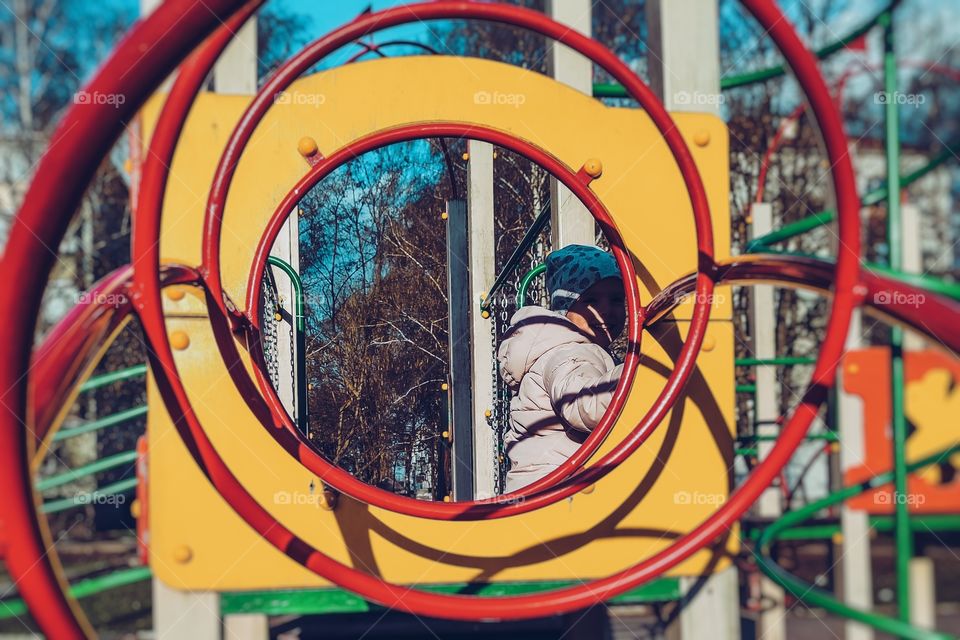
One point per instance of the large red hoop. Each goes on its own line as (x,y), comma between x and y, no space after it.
(464,607)
(499,506)
(84,137)
(518,501)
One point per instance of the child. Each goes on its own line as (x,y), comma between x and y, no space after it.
(557,364)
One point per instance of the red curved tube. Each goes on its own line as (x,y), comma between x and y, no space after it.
(518,501)
(772,148)
(894,301)
(73,344)
(464,607)
(513,504)
(82,138)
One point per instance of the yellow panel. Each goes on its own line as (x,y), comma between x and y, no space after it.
(641,185)
(675,481)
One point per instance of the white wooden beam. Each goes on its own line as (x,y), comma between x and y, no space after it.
(855,564)
(236,69)
(685,54)
(482,273)
(923,593)
(185,614)
(771,623)
(570,221)
(708,612)
(684,51)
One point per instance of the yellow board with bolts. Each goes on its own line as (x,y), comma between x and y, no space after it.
(676,480)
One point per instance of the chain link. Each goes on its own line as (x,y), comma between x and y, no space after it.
(502,307)
(271,316)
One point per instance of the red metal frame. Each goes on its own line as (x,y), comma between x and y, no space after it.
(772,148)
(499,506)
(519,501)
(526,606)
(84,137)
(73,345)
(931,314)
(143,501)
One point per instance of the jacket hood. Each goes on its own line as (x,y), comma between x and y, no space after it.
(533,332)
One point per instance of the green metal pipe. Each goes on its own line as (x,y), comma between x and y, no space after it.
(608,90)
(102,464)
(297,282)
(525,284)
(881,193)
(15,607)
(791,230)
(816,597)
(936,523)
(828,436)
(101,423)
(876,196)
(932,284)
(759,362)
(102,380)
(300,335)
(83,499)
(529,237)
(902,534)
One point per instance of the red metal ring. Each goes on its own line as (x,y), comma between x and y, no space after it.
(43,219)
(518,501)
(82,138)
(289,436)
(461,607)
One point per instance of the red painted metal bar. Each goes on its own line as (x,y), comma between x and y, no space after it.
(788,121)
(141,61)
(464,607)
(887,298)
(75,344)
(500,506)
(286,74)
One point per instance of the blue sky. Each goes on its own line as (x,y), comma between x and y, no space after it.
(918,17)
(326,16)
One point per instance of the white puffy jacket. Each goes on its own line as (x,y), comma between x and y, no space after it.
(562,384)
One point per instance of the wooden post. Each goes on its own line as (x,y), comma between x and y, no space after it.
(709,612)
(289,374)
(912,260)
(245,625)
(684,45)
(855,566)
(771,623)
(185,614)
(923,592)
(236,70)
(461,367)
(570,221)
(482,273)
